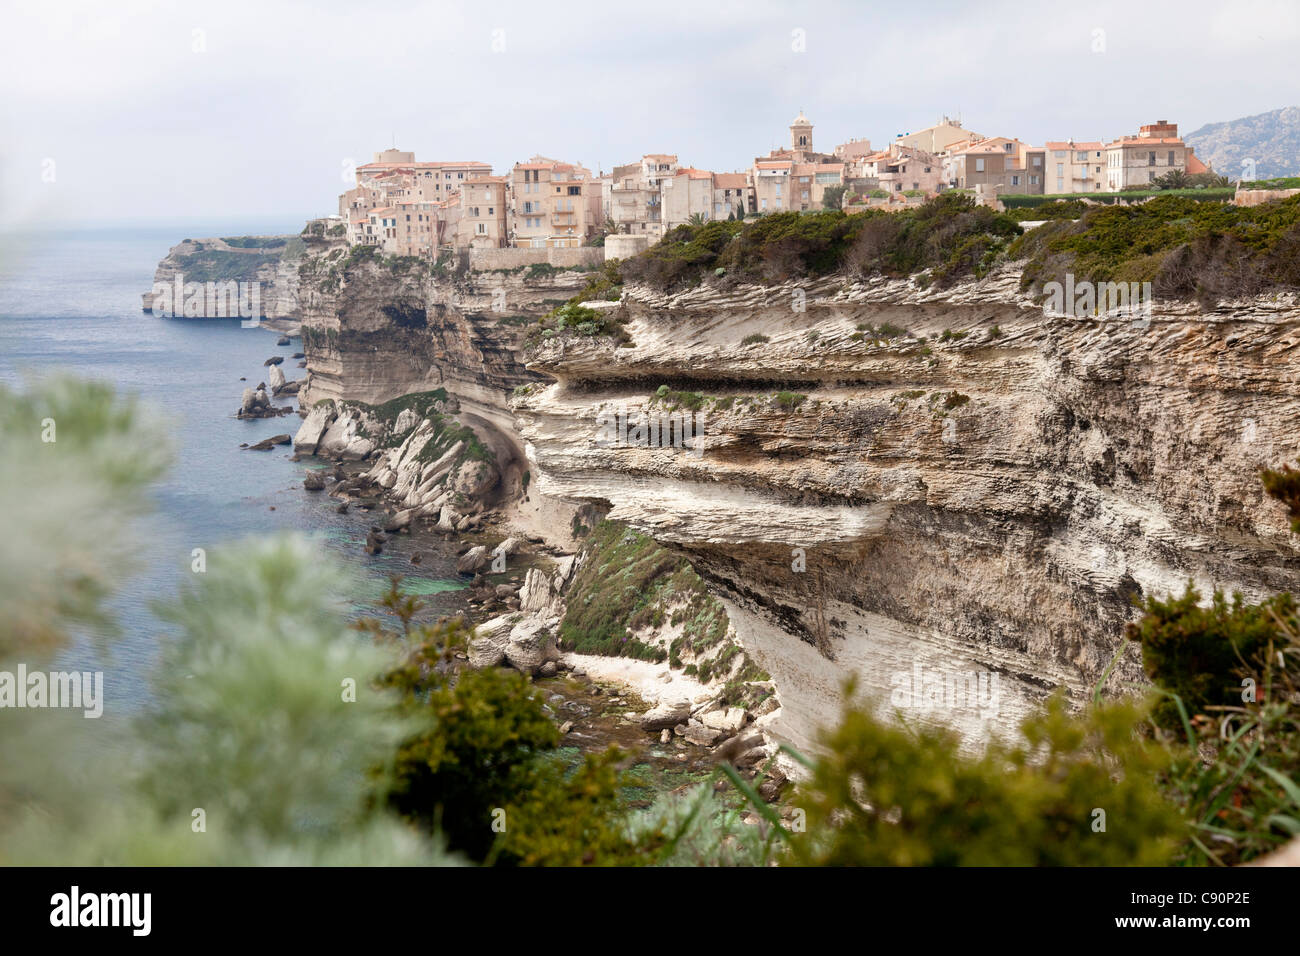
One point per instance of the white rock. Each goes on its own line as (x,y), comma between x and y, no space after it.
(313,428)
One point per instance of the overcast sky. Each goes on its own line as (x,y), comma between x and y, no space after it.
(142,110)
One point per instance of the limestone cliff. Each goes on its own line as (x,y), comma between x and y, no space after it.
(897,482)
(878,479)
(264,267)
(375,329)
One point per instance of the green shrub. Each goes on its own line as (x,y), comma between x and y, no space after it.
(1185,247)
(888,795)
(1201,654)
(480,729)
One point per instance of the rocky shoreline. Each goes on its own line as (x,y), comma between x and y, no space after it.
(456,495)
(413,469)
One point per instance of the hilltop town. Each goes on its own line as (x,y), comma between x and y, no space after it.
(407,207)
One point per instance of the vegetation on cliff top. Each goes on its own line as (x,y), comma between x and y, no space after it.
(1185,248)
(949,236)
(1187,243)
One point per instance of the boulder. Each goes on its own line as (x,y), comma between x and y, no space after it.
(701,735)
(536,595)
(276,379)
(474,478)
(532,644)
(728,720)
(358,449)
(447,521)
(282,340)
(274,360)
(253,400)
(400,520)
(667,714)
(313,428)
(472,560)
(374,543)
(266,444)
(487,648)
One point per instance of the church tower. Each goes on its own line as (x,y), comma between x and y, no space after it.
(801,134)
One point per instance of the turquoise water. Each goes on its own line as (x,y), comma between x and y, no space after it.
(70,302)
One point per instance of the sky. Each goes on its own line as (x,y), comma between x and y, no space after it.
(137,111)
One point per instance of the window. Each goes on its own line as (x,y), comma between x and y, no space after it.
(1151,159)
(1171,157)
(979,165)
(1038,161)
(1015,181)
(1058,154)
(1033,180)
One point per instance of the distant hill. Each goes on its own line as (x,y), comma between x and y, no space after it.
(1271,139)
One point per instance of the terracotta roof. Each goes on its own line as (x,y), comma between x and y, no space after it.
(779,164)
(1194,164)
(671,157)
(729,181)
(479,180)
(693,173)
(1069,145)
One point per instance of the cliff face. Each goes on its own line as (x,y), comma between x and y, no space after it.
(268,262)
(375,331)
(911,485)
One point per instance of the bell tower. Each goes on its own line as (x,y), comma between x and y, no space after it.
(801,134)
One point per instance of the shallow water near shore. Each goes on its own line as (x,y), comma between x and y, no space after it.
(70,302)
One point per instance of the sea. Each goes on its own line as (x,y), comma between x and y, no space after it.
(70,303)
